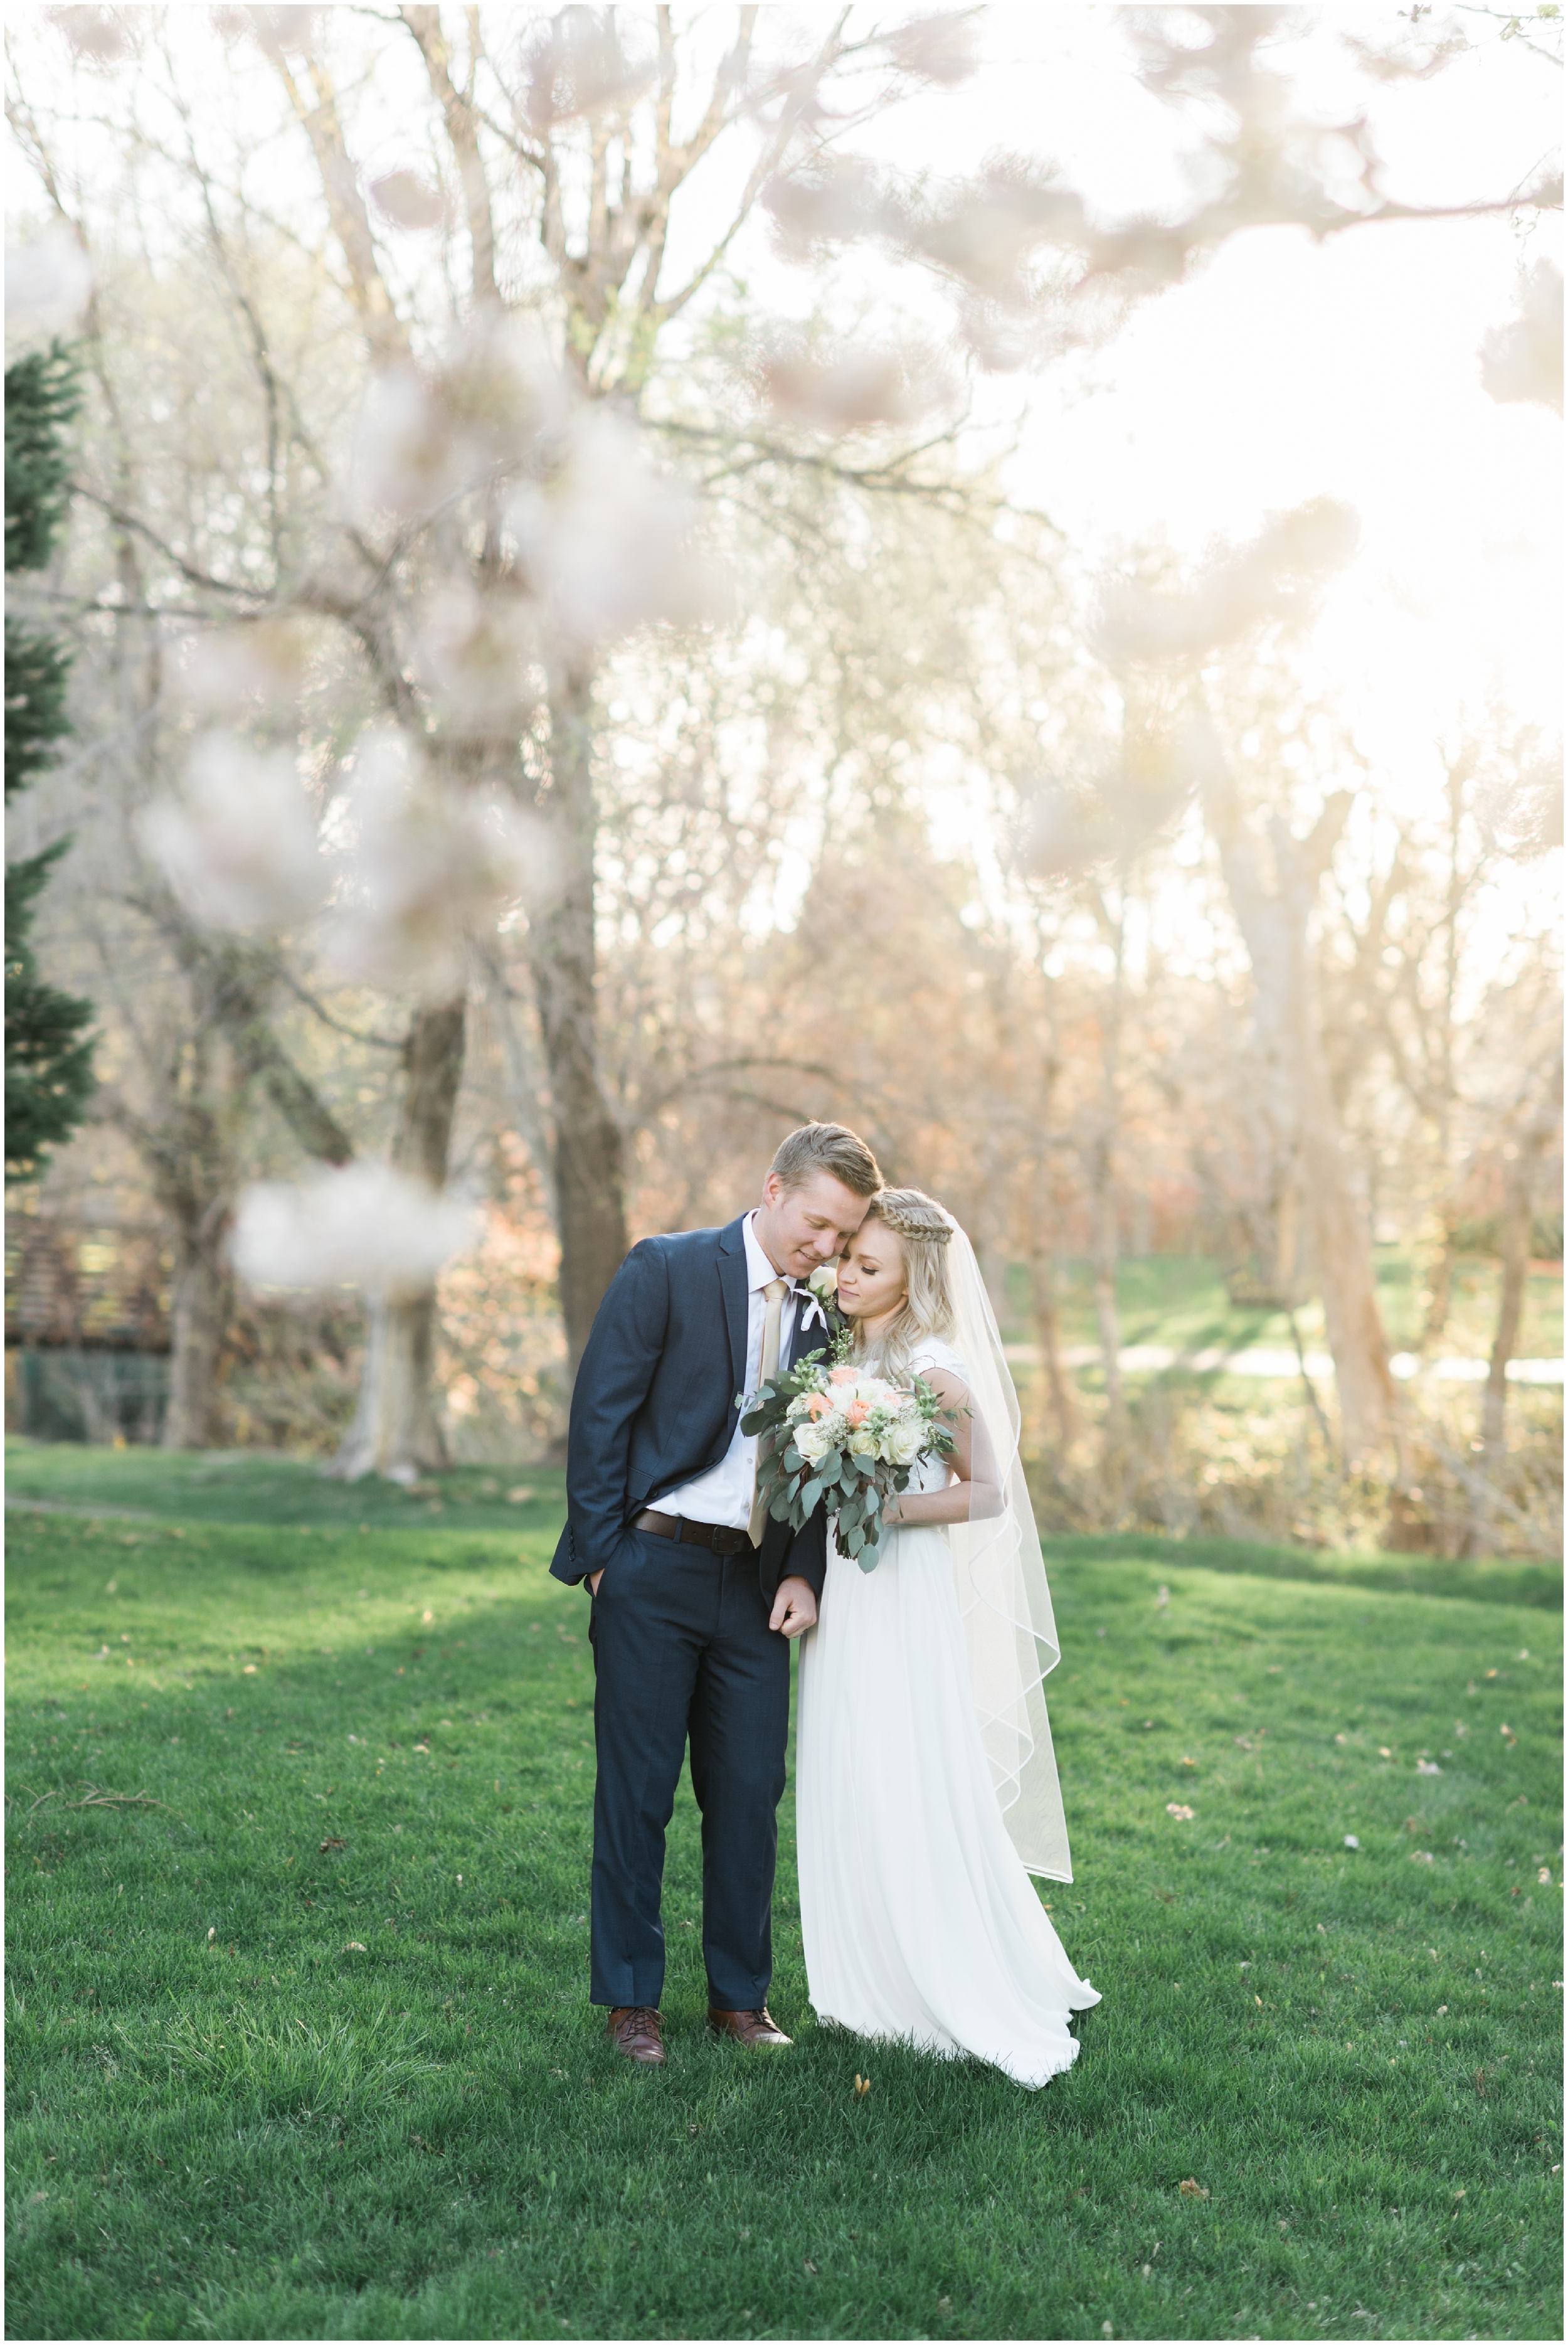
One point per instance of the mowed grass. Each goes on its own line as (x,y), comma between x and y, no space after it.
(1182,1300)
(304,2048)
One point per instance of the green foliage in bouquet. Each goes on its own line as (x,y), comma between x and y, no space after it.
(805,1459)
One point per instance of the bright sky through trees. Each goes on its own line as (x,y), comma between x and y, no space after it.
(1286,370)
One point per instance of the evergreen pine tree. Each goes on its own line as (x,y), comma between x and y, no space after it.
(49,1057)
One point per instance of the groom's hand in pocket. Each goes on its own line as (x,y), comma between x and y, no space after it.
(795,1608)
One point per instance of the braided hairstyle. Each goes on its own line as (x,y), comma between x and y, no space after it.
(923,1229)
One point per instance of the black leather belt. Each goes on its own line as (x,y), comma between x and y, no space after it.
(716,1537)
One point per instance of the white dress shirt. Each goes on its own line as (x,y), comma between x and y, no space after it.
(723,1494)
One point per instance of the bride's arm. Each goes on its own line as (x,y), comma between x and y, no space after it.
(975,1493)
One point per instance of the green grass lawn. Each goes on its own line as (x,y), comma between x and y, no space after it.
(298,2040)
(1182,1300)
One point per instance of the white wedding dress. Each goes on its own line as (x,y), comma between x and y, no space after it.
(920,1921)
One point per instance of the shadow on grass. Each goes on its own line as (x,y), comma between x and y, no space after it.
(1535,1584)
(314,2056)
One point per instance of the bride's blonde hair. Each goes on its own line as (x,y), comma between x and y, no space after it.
(923,1229)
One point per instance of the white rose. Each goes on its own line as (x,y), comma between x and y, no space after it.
(823,1280)
(904,1442)
(814,1442)
(862,1444)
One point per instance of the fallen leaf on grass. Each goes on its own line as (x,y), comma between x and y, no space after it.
(1183,1814)
(1422,1856)
(353,1947)
(1190,2189)
(862,2086)
(332,1844)
(1427,1767)
(810,2267)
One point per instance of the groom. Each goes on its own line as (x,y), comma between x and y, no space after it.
(696,1589)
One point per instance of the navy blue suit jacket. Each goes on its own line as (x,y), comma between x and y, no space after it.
(655,1402)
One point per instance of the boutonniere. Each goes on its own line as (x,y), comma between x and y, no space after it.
(822,1289)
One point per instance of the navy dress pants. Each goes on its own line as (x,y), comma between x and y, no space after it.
(683,1651)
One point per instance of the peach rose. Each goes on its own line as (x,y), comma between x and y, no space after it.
(818,1404)
(857,1412)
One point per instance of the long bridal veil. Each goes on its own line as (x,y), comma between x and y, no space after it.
(1003,1594)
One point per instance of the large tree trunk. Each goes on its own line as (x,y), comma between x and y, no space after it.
(397,1429)
(1276,928)
(1103,1188)
(1107,1312)
(203,1300)
(590,1180)
(1342,1251)
(1047,1338)
(1518,1220)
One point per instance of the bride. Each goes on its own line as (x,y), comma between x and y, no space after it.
(926,1788)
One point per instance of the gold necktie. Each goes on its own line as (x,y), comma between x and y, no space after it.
(773,1294)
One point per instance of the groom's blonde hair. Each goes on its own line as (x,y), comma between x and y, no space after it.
(828,1148)
(924,1230)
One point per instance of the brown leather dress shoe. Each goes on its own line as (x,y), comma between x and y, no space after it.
(635,2030)
(758,2030)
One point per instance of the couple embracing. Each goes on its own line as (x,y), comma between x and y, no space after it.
(926,1792)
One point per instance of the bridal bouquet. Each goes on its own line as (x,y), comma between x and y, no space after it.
(849,1440)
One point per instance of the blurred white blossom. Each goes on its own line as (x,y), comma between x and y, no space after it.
(426,435)
(606,542)
(944,48)
(1523,359)
(239,846)
(408,201)
(476,652)
(1422,47)
(263,661)
(1063,829)
(577,65)
(838,200)
(1276,576)
(421,866)
(48,284)
(95,34)
(276,28)
(367,1225)
(984,236)
(854,389)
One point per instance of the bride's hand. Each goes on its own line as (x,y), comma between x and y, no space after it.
(795,1608)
